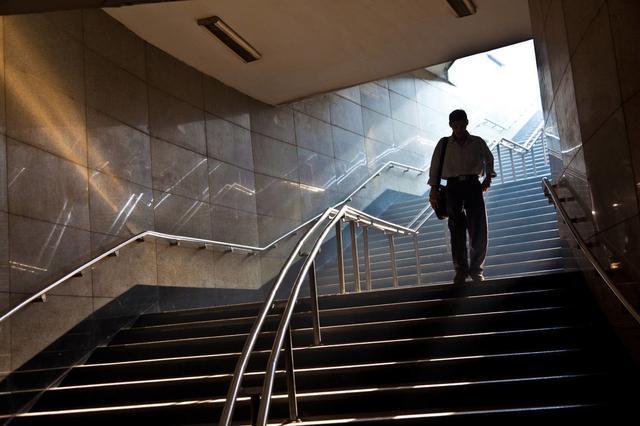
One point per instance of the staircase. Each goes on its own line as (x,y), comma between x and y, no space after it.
(508,351)
(521,348)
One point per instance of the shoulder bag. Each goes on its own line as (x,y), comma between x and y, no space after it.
(441,210)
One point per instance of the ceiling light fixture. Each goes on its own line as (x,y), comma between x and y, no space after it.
(462,8)
(230,38)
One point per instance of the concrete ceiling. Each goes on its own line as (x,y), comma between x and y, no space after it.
(315,46)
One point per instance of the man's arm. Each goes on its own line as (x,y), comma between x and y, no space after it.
(490,173)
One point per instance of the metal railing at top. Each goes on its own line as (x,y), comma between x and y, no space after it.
(329,220)
(550,191)
(204,243)
(514,148)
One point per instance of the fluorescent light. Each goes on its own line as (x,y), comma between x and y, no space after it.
(230,38)
(462,8)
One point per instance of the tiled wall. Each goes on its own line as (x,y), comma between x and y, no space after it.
(103,136)
(588,55)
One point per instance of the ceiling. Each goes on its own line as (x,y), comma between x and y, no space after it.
(310,47)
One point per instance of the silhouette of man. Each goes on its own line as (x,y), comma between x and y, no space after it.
(467,157)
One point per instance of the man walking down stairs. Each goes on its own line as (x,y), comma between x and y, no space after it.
(524,239)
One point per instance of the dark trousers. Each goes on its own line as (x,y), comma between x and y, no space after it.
(466,210)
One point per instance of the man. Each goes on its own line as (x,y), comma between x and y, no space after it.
(467,157)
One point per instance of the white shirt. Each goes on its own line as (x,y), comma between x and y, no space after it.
(469,156)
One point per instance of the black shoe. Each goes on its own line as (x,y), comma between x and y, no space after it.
(477,278)
(460,278)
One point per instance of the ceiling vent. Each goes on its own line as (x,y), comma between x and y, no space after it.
(462,8)
(230,38)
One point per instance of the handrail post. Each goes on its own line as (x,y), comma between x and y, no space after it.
(513,165)
(367,260)
(418,266)
(354,255)
(524,166)
(533,161)
(315,312)
(500,164)
(291,377)
(340,258)
(392,252)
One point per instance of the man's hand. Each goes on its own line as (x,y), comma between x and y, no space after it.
(486,183)
(434,197)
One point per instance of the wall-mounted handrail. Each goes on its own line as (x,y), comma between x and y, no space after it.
(200,241)
(549,189)
(114,250)
(346,213)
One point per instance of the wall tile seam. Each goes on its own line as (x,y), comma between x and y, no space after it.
(90,171)
(175,144)
(573,157)
(115,65)
(50,294)
(335,125)
(636,173)
(146,80)
(619,108)
(296,142)
(570,62)
(253,212)
(73,227)
(147,83)
(6,172)
(295,137)
(175,98)
(610,227)
(47,16)
(631,98)
(586,29)
(4,125)
(545,13)
(296,222)
(106,114)
(111,62)
(219,117)
(335,92)
(404,96)
(53,86)
(86,144)
(555,90)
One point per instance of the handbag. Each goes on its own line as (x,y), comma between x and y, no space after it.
(441,210)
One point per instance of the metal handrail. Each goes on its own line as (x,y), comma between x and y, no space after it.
(241,365)
(203,242)
(114,250)
(387,166)
(587,253)
(345,213)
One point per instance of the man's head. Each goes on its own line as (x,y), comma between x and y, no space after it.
(458,123)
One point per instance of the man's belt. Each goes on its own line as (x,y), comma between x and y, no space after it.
(462,178)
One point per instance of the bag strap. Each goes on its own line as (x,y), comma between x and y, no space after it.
(444,152)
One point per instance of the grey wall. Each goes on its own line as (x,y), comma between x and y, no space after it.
(588,55)
(103,136)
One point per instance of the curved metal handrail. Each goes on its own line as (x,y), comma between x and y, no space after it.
(241,365)
(204,242)
(345,212)
(587,253)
